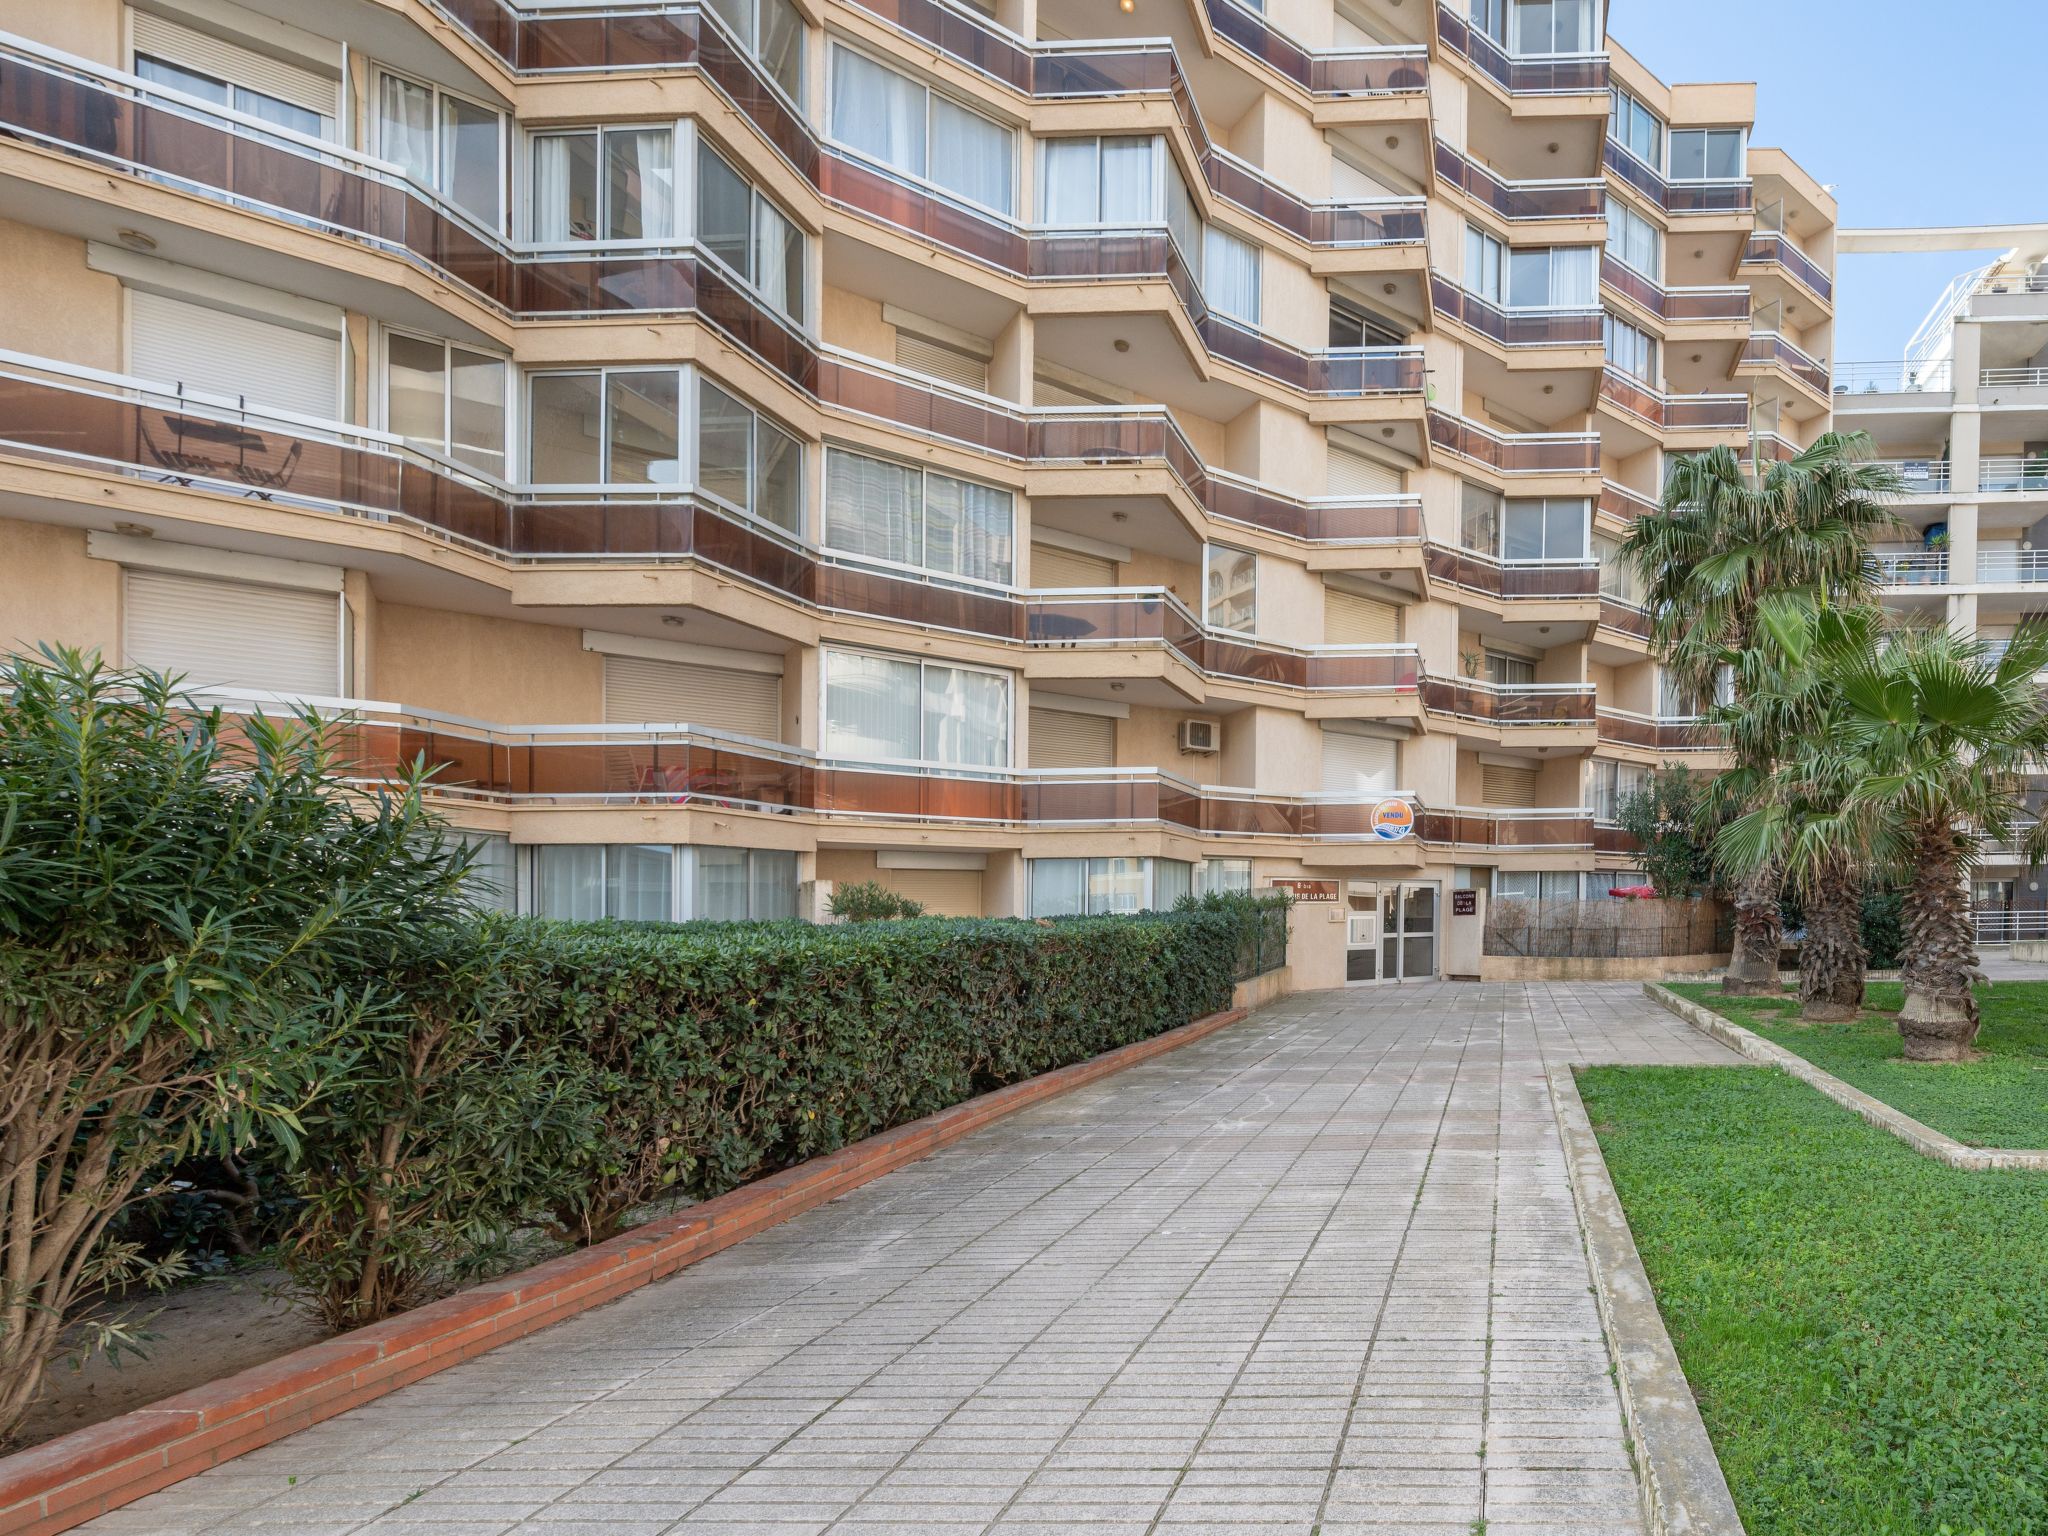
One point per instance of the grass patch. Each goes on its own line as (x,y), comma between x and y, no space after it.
(1863,1327)
(2000,1100)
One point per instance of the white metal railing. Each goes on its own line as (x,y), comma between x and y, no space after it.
(1923,477)
(2010,472)
(1893,378)
(2016,567)
(1916,568)
(2013,378)
(1999,927)
(2016,282)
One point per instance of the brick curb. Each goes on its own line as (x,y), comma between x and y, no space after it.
(69,1480)
(1682,1488)
(1924,1139)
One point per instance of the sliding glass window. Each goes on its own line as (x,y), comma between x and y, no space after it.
(447,399)
(603,184)
(613,426)
(1233,588)
(1706,154)
(747,461)
(1099,181)
(662,883)
(1636,128)
(1545,528)
(744,230)
(773,33)
(1634,241)
(898,709)
(1230,275)
(913,129)
(1631,351)
(1112,886)
(895,512)
(445,142)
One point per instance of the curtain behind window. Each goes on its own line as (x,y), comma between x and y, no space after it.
(878,112)
(1230,275)
(871,507)
(778,260)
(1069,190)
(967,528)
(640,194)
(1127,189)
(970,155)
(405,126)
(873,706)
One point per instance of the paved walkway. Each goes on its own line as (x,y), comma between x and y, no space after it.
(1317,1273)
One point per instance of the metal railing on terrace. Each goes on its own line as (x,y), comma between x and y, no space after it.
(1770,248)
(1915,568)
(1511,580)
(1658,733)
(1515,453)
(2012,472)
(1893,378)
(2012,567)
(1923,477)
(1626,503)
(1996,926)
(2013,378)
(1516,327)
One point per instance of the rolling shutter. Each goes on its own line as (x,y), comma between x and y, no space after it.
(230,634)
(175,43)
(944,892)
(1353,474)
(641,691)
(171,341)
(938,360)
(1061,738)
(1052,566)
(1502,784)
(1349,619)
(1357,765)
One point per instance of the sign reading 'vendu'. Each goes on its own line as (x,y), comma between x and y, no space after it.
(1393,820)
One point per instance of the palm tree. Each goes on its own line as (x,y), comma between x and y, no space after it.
(1948,732)
(1721,541)
(1786,710)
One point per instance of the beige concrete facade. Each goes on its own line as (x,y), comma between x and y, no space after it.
(1299,422)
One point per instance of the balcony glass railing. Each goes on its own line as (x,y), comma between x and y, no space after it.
(1674,304)
(1674,413)
(1526,453)
(1515,327)
(1734,195)
(1773,350)
(1572,74)
(2008,473)
(1619,501)
(1511,580)
(682,766)
(1623,616)
(1658,733)
(1769,248)
(1509,704)
(1520,200)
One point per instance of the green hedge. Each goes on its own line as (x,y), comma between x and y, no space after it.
(724,1051)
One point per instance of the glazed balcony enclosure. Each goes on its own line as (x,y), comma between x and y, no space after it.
(1677,305)
(1575,74)
(1725,196)
(1512,580)
(121,121)
(1515,328)
(680,767)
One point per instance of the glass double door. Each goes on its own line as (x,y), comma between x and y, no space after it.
(1392,933)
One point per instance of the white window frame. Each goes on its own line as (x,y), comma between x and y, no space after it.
(793,99)
(1209,602)
(682,888)
(380,392)
(1509,503)
(1621,103)
(694,392)
(433,188)
(965,770)
(686,427)
(688,191)
(1621,217)
(1638,340)
(1148,900)
(1156,214)
(919,179)
(924,474)
(1741,155)
(681,214)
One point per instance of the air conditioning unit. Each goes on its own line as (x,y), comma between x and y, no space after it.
(1201,736)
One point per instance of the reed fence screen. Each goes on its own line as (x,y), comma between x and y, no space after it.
(1607,928)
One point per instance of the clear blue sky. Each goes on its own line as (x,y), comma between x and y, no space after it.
(1917,114)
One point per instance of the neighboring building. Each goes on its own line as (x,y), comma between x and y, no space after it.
(1964,417)
(1045,475)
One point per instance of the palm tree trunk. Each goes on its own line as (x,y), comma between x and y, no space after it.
(1832,961)
(1939,1021)
(1759,933)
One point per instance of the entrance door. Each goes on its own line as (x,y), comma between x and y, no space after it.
(1362,930)
(1408,925)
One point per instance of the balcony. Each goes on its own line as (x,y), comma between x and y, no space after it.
(1677,305)
(2012,567)
(2013,378)
(1768,248)
(1527,453)
(1624,617)
(1673,413)
(1518,201)
(2012,473)
(1562,828)
(1913,568)
(1509,704)
(1737,195)
(1892,378)
(1512,580)
(1576,74)
(1341,72)
(1624,504)
(1515,328)
(1770,349)
(1658,733)
(1922,477)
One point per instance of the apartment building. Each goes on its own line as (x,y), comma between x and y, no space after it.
(1043,459)
(1963,416)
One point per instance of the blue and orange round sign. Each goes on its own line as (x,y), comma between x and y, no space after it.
(1392,820)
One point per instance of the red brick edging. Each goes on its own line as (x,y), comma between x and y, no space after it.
(69,1480)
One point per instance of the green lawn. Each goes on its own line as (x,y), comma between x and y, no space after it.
(1865,1329)
(1998,1101)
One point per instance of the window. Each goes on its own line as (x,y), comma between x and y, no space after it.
(1632,351)
(1675,703)
(271,109)
(1183,222)
(1618,576)
(731,885)
(606,427)
(749,234)
(896,709)
(1608,784)
(1636,129)
(772,32)
(1504,671)
(1479,517)
(447,399)
(454,146)
(911,516)
(1230,275)
(899,122)
(1553,277)
(1352,325)
(1485,264)
(1548,528)
(491,884)
(604,184)
(1224,877)
(661,883)
(1552,26)
(1535,885)
(1232,584)
(1706,154)
(747,461)
(1098,181)
(1634,241)
(1098,887)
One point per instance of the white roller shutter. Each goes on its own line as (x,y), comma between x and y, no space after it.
(642,691)
(1052,566)
(234,634)
(935,359)
(1357,765)
(1349,619)
(1353,474)
(171,341)
(175,43)
(1062,739)
(1502,784)
(944,892)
